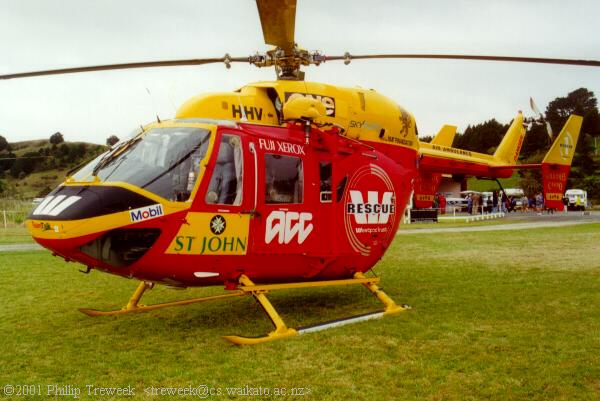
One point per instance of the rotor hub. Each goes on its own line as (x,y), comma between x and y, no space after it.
(287,63)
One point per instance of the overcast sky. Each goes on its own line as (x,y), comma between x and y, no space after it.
(46,34)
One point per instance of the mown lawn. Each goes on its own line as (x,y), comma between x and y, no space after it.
(510,315)
(17,235)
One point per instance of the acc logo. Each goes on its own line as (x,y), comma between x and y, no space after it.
(286,225)
(369,208)
(327,101)
(146,213)
(566,147)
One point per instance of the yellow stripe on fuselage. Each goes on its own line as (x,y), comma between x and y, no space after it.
(65,229)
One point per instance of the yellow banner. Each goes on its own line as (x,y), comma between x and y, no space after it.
(425,197)
(212,234)
(553,196)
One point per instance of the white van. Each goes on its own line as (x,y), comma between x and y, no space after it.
(577,199)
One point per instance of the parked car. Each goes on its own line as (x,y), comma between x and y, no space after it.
(577,199)
(456,204)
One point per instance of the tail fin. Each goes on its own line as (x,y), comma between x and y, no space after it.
(557,163)
(445,136)
(510,147)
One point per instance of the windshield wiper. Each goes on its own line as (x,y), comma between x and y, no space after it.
(114,153)
(178,162)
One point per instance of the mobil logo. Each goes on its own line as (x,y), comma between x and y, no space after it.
(375,209)
(146,213)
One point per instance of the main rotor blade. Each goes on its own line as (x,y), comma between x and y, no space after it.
(534,108)
(278,20)
(124,66)
(590,63)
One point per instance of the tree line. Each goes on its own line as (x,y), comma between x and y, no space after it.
(585,171)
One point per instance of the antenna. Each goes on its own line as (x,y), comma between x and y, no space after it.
(153,105)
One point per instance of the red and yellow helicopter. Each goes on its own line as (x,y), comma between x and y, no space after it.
(278,185)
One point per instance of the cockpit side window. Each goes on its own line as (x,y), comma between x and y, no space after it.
(225,187)
(284,179)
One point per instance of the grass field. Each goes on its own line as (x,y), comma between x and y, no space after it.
(496,315)
(486,185)
(17,235)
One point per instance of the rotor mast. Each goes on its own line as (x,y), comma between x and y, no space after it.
(278,21)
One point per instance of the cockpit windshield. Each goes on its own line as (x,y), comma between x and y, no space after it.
(164,161)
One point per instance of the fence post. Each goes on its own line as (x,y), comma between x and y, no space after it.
(4,214)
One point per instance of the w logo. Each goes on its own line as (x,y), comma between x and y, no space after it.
(55,205)
(373,211)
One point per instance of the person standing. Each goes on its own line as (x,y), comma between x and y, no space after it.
(524,204)
(476,199)
(539,205)
(442,204)
(495,201)
(469,204)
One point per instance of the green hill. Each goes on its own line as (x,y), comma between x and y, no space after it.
(487,185)
(30,169)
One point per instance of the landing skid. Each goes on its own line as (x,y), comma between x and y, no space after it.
(259,292)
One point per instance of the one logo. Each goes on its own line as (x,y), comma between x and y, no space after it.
(287,225)
(146,213)
(55,205)
(369,208)
(566,147)
(327,101)
(218,224)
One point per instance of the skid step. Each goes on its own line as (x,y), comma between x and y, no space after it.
(340,322)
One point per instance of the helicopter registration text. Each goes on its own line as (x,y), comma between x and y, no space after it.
(212,234)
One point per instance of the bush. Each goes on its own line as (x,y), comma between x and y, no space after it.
(56,138)
(111,140)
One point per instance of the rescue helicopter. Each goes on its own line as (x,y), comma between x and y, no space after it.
(279,185)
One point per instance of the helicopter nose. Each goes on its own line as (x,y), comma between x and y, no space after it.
(89,224)
(69,203)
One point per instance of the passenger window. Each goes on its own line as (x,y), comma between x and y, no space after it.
(284,179)
(225,186)
(325,178)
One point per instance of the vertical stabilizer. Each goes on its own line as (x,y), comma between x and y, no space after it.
(557,163)
(445,136)
(510,147)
